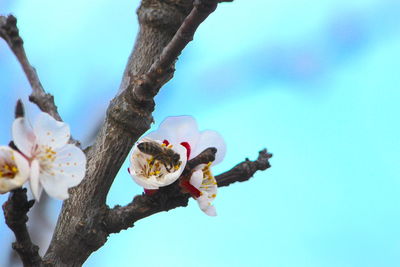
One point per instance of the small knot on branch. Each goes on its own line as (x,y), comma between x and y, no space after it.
(9,31)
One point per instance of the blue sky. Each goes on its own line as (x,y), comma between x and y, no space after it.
(316,82)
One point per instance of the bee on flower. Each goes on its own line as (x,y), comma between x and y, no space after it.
(183,135)
(155,164)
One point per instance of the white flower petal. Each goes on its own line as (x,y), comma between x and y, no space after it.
(205,205)
(196,179)
(23,167)
(23,136)
(36,187)
(14,169)
(71,162)
(51,132)
(55,185)
(139,162)
(208,139)
(6,185)
(177,129)
(210,211)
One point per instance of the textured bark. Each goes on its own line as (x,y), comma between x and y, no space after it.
(166,27)
(15,210)
(171,197)
(80,227)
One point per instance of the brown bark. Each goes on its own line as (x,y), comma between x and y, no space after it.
(166,27)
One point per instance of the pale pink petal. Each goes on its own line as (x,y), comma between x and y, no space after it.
(71,162)
(210,211)
(11,157)
(51,132)
(23,167)
(203,201)
(146,184)
(208,139)
(36,187)
(205,205)
(138,159)
(177,129)
(55,185)
(6,185)
(23,136)
(197,178)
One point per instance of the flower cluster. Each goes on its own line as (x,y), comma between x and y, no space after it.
(178,135)
(44,157)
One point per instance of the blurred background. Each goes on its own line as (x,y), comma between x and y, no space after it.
(315,82)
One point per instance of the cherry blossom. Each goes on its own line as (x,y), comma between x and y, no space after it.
(14,169)
(184,130)
(152,172)
(55,164)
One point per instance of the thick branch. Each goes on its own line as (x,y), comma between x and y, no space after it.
(160,70)
(10,33)
(170,197)
(165,199)
(80,229)
(244,170)
(15,210)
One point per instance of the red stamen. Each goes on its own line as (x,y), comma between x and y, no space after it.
(188,149)
(165,142)
(150,192)
(129,170)
(193,191)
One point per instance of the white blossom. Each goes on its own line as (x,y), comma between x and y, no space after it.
(14,169)
(184,130)
(55,164)
(151,173)
(205,182)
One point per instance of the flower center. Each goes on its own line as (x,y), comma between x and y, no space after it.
(8,170)
(208,178)
(158,168)
(46,156)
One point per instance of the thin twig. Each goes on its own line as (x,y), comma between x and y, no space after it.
(45,101)
(150,82)
(10,33)
(170,197)
(244,170)
(15,210)
(165,199)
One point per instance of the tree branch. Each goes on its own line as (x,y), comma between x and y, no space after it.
(85,221)
(165,199)
(15,210)
(171,197)
(10,33)
(45,101)
(129,115)
(244,170)
(159,70)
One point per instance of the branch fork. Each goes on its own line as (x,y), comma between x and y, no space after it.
(85,221)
